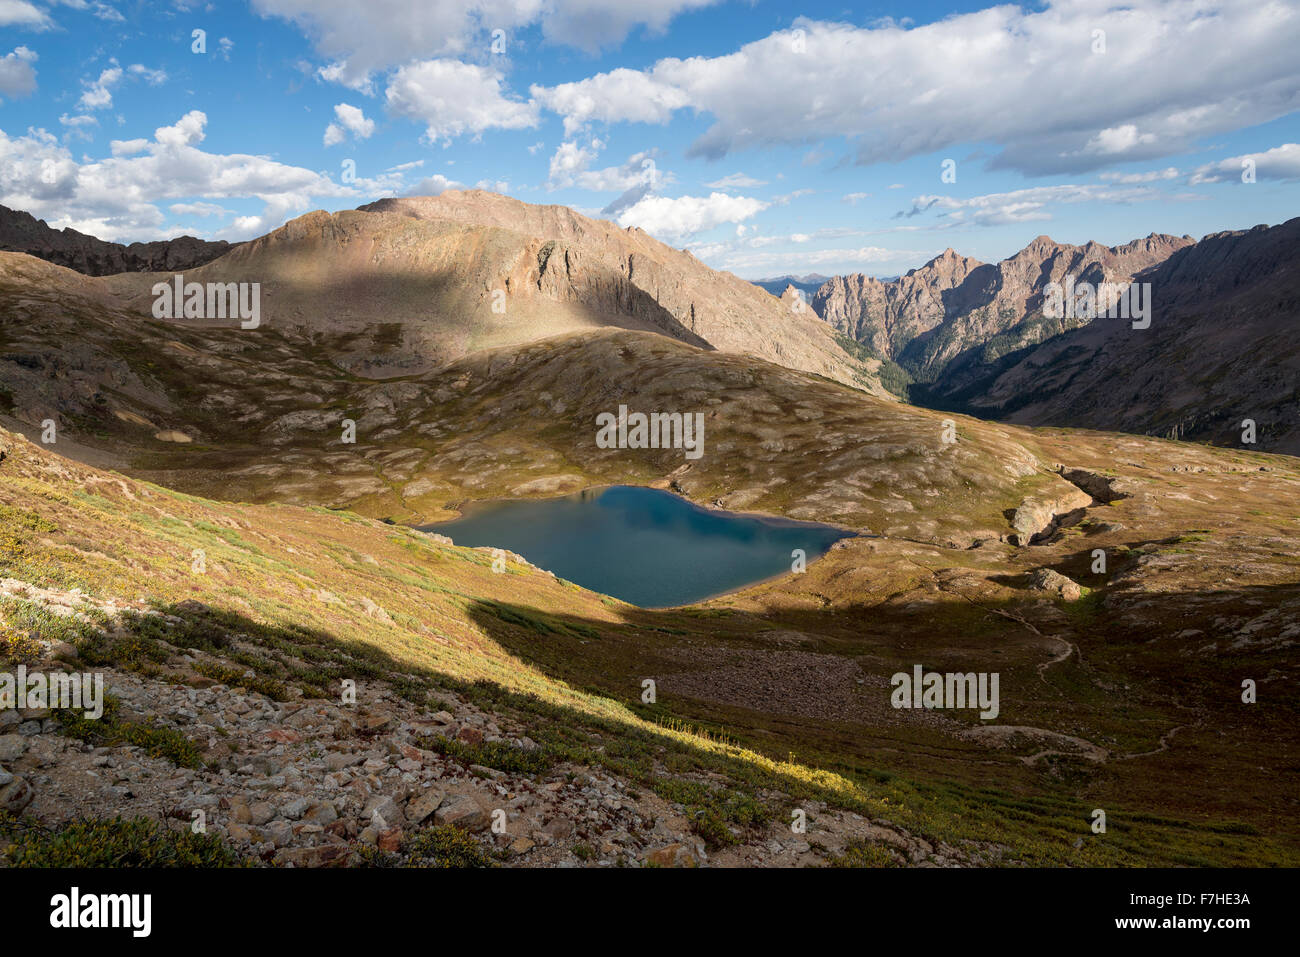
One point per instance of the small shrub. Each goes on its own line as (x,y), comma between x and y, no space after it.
(490,754)
(445,845)
(119,842)
(111,730)
(864,855)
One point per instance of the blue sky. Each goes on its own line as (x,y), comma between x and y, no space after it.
(767,137)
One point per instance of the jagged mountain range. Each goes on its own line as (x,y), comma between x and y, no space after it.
(928,319)
(24,233)
(1223,348)
(975,337)
(808,284)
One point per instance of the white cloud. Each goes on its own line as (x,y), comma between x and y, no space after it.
(452,98)
(569,167)
(673,220)
(152,77)
(115,197)
(128,147)
(78,126)
(1119,139)
(17,76)
(188,129)
(1151,176)
(1020,77)
(98,94)
(736,181)
(361,38)
(755,256)
(854,198)
(592,24)
(199,209)
(569,160)
(1281,162)
(433,185)
(340,73)
(621,94)
(19,13)
(1023,205)
(350,120)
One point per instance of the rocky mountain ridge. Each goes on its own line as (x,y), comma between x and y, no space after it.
(1222,349)
(21,232)
(953,315)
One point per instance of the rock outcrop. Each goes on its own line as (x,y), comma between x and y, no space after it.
(23,233)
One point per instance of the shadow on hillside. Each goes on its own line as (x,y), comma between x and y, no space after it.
(609,660)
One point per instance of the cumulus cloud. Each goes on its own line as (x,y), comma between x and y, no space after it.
(98,93)
(116,197)
(593,24)
(569,160)
(350,120)
(17,75)
(199,209)
(452,98)
(1280,163)
(20,13)
(1022,78)
(569,167)
(621,94)
(433,185)
(361,38)
(78,126)
(674,220)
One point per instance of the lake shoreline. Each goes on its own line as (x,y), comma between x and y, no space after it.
(642,545)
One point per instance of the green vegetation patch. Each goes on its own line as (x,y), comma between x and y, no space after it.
(119,842)
(112,730)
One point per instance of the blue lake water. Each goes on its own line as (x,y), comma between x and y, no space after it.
(645,546)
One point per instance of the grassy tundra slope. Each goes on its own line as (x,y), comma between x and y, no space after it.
(770,699)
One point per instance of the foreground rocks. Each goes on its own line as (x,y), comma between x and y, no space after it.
(317,783)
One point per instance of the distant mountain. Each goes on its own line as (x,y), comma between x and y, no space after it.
(1223,347)
(948,321)
(23,233)
(808,284)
